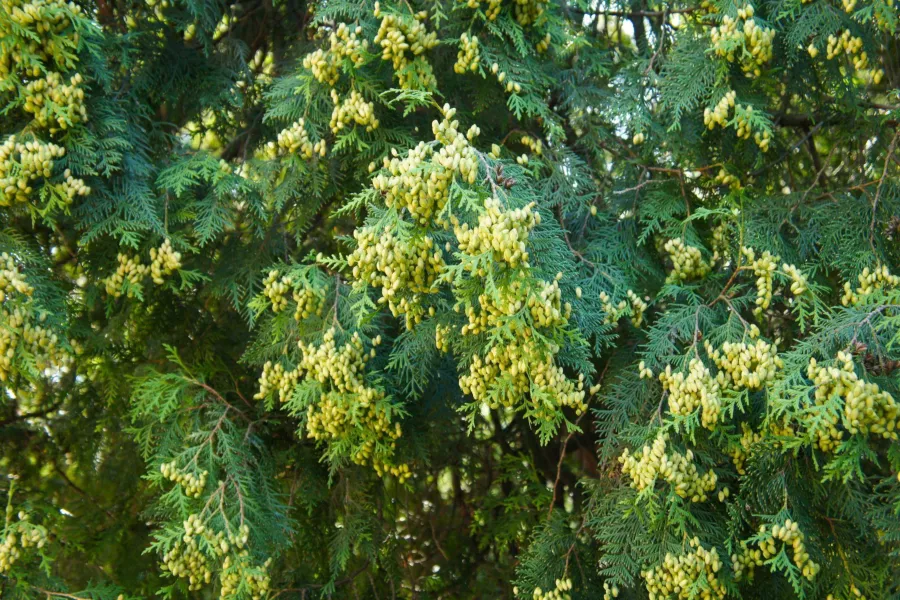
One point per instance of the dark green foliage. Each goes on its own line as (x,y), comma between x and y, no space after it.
(191,107)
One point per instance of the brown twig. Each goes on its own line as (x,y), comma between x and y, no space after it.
(209,438)
(315,586)
(51,594)
(562,456)
(647,13)
(887,162)
(33,415)
(219,397)
(659,47)
(575,252)
(78,489)
(562,453)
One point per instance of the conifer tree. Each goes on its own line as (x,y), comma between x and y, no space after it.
(449,299)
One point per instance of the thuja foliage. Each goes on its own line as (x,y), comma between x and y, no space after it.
(449,299)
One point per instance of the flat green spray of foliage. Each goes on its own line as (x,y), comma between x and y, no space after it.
(449,299)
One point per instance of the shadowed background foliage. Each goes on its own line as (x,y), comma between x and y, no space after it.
(449,299)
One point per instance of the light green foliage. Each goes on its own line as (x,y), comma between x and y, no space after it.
(449,299)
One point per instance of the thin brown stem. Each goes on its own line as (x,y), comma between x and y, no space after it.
(887,162)
(52,594)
